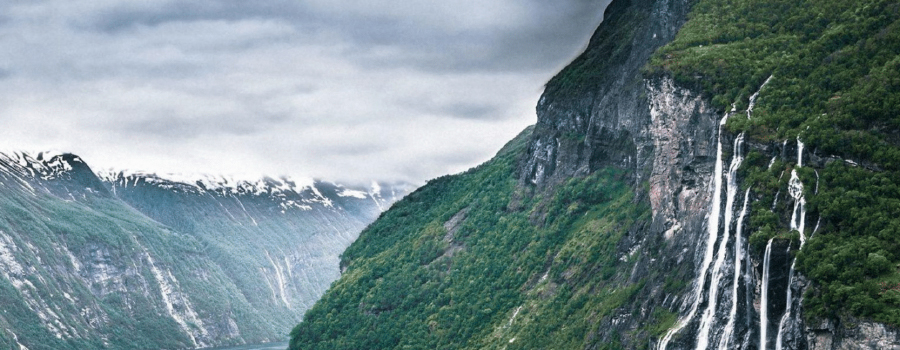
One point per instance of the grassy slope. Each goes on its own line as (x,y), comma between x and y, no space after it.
(517,271)
(836,86)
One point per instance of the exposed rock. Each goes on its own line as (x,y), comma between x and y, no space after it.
(852,334)
(595,112)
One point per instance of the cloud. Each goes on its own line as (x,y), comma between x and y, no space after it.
(408,89)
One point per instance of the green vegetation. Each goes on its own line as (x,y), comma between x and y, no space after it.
(836,85)
(443,270)
(476,261)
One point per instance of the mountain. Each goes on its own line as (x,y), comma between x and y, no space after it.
(126,260)
(706,174)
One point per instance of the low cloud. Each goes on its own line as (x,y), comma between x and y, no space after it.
(380,89)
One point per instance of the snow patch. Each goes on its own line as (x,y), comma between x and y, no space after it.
(352,193)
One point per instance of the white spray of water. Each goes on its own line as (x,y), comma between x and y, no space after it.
(798,222)
(712,235)
(738,256)
(798,215)
(708,316)
(764,298)
(754,96)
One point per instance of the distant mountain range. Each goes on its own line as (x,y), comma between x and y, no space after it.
(126,260)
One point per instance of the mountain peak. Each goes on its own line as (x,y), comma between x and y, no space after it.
(46,165)
(62,174)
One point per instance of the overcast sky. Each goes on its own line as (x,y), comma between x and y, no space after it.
(338,90)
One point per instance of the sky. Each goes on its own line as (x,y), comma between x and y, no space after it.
(342,90)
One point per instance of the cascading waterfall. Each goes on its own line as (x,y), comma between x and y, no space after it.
(706,319)
(753,97)
(798,215)
(738,245)
(716,272)
(749,289)
(712,235)
(764,297)
(798,222)
(787,310)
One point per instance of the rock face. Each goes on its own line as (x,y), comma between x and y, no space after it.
(120,259)
(602,110)
(853,334)
(680,265)
(595,112)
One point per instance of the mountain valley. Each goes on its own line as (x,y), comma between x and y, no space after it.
(130,260)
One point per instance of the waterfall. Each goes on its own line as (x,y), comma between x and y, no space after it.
(798,215)
(708,329)
(764,297)
(749,286)
(753,97)
(729,327)
(712,235)
(817,182)
(712,297)
(798,222)
(787,309)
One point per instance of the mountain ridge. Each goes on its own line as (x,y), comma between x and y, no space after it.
(139,259)
(741,228)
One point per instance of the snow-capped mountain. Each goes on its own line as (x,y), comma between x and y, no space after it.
(178,261)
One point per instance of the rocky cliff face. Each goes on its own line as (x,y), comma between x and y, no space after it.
(665,198)
(123,259)
(602,110)
(596,112)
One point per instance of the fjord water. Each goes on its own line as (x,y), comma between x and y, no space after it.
(266,346)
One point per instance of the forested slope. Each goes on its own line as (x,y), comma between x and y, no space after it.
(471,261)
(833,71)
(707,174)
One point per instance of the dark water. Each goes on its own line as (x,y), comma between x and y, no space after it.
(267,346)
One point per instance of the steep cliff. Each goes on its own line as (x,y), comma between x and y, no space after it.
(138,261)
(707,174)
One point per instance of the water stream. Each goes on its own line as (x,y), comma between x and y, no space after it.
(798,223)
(764,297)
(266,346)
(706,321)
(712,236)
